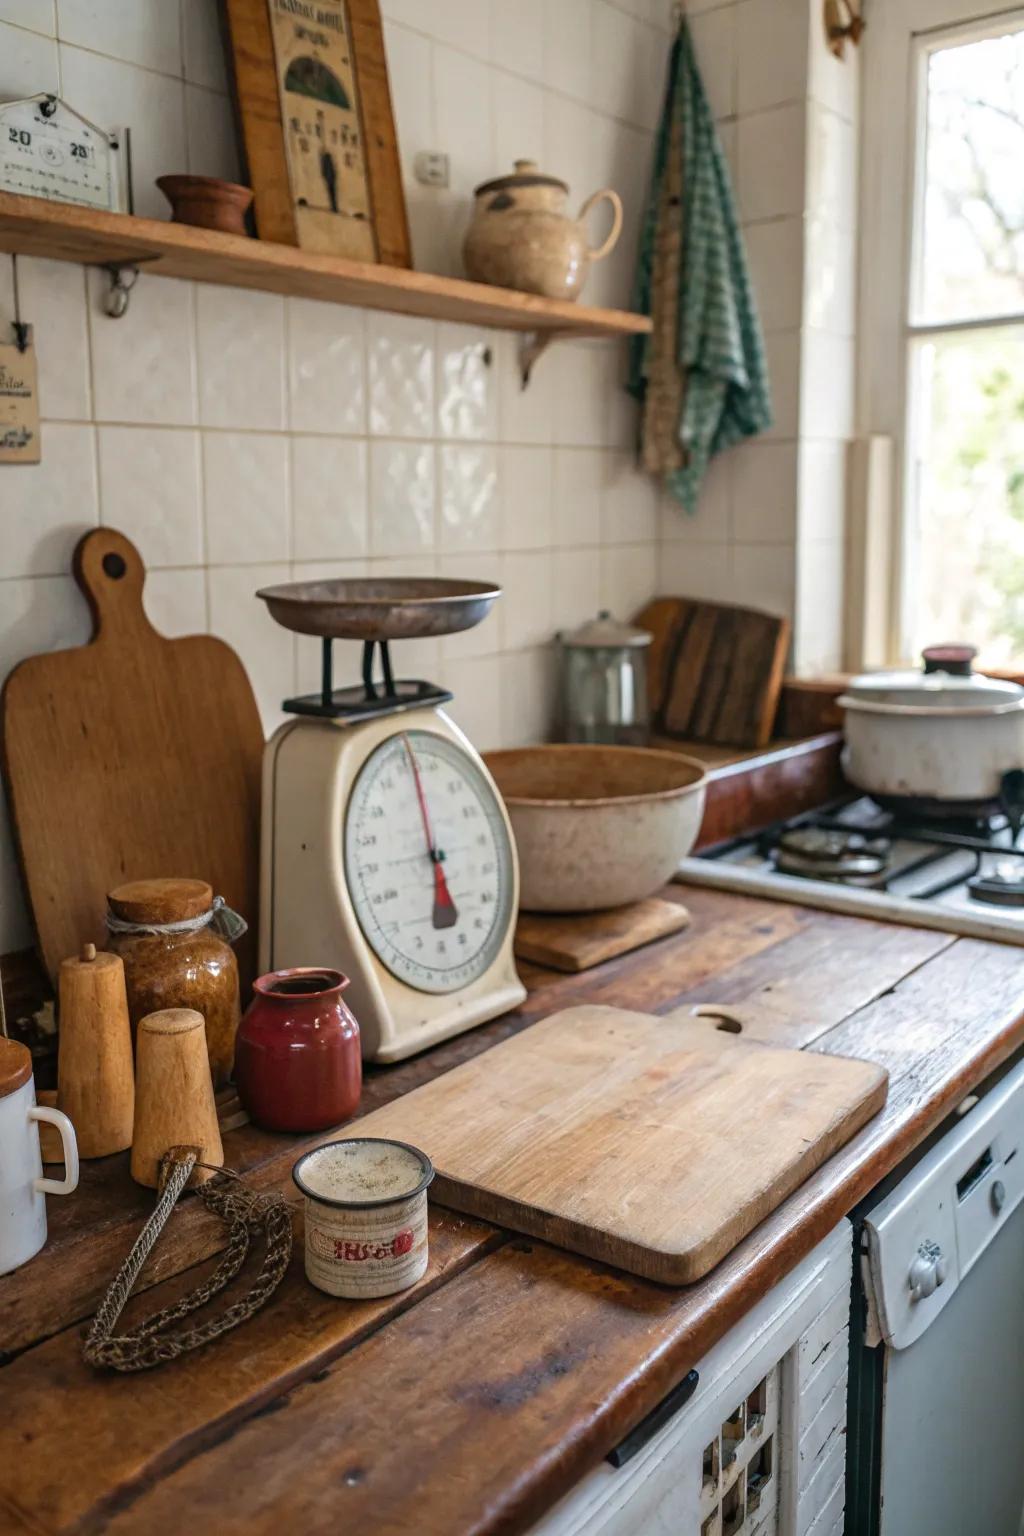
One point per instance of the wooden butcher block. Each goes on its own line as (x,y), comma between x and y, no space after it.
(654,1144)
(131,757)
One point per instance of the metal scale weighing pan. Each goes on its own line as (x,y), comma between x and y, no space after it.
(386,849)
(376,611)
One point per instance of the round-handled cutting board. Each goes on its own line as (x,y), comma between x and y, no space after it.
(131,757)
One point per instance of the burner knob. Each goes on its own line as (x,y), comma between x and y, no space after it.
(998,1196)
(927,1272)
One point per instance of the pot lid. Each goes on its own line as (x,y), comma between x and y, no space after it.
(606,633)
(946,678)
(527,173)
(15,1065)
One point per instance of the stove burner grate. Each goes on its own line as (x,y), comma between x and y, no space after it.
(833,853)
(1002,886)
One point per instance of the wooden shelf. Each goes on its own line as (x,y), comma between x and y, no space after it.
(32,226)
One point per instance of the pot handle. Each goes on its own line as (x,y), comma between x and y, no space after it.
(596,252)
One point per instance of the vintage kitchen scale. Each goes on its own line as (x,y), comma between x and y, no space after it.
(386,848)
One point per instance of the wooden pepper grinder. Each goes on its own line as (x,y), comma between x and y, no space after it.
(95,1081)
(174,1103)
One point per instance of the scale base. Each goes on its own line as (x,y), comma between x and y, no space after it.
(357,704)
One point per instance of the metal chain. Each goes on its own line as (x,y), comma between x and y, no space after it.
(246,1214)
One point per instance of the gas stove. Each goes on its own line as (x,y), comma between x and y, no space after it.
(962,877)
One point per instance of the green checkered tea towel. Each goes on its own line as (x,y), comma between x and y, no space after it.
(701,375)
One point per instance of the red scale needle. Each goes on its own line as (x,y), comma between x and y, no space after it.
(444,914)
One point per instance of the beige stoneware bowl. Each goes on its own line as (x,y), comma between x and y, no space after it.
(597,826)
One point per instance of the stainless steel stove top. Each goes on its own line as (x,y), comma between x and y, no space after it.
(965,878)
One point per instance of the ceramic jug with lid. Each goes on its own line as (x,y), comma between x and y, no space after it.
(521,236)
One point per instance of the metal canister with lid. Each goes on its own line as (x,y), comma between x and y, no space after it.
(604,682)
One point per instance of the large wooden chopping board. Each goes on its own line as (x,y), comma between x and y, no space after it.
(653,1144)
(130,757)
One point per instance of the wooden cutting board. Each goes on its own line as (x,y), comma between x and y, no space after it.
(653,1144)
(130,757)
(715,670)
(578,940)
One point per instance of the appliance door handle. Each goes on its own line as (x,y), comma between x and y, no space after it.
(655,1420)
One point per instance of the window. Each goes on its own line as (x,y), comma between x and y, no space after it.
(953,344)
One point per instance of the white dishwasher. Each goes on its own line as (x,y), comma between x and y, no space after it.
(752,1443)
(937,1373)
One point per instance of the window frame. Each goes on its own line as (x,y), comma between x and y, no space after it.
(897,42)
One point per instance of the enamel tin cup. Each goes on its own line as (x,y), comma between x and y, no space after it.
(23,1189)
(366,1215)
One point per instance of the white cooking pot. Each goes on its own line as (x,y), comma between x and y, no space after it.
(933,736)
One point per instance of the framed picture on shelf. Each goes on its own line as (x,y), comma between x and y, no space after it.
(311,90)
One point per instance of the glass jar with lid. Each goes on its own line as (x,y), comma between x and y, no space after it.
(173,937)
(604,682)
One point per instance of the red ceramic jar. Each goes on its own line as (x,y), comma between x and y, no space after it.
(298,1062)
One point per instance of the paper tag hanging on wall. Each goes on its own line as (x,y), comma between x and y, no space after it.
(19,402)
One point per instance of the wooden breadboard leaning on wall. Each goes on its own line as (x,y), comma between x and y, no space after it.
(715,670)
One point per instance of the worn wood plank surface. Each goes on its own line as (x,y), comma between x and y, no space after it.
(521,1374)
(487,1399)
(654,1144)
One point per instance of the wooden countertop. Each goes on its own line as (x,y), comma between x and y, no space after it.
(474,1401)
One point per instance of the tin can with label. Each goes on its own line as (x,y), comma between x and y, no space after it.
(366,1215)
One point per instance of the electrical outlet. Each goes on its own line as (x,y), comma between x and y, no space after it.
(432,169)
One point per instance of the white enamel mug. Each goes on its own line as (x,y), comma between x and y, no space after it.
(23,1189)
(366,1215)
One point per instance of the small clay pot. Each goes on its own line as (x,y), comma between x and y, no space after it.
(207,202)
(298,1063)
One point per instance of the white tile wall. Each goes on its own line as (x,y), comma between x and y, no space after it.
(243,439)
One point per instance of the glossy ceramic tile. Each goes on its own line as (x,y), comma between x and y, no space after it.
(581,377)
(579,481)
(467,386)
(517,36)
(36,15)
(241,358)
(775,253)
(567,47)
(832,168)
(774,43)
(53,300)
(118,95)
(518,121)
(528,696)
(41,613)
(402,498)
(576,579)
(629,503)
(526,613)
(46,507)
(715,42)
(712,521)
(830,280)
(629,577)
(401,374)
(144,364)
(464,117)
(175,602)
(771,162)
(764,492)
(212,140)
(145,32)
(326,367)
(329,498)
(783,354)
(526,507)
(28,63)
(412,97)
(823,470)
(696,570)
(476,708)
(266,650)
(618,77)
(764,576)
(827,385)
(818,642)
(150,490)
(245,492)
(469,517)
(202,46)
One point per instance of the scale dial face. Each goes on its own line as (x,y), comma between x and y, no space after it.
(428,862)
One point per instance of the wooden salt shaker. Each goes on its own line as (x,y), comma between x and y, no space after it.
(174,1103)
(95,1079)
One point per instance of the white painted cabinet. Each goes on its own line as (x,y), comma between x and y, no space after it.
(759,1449)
